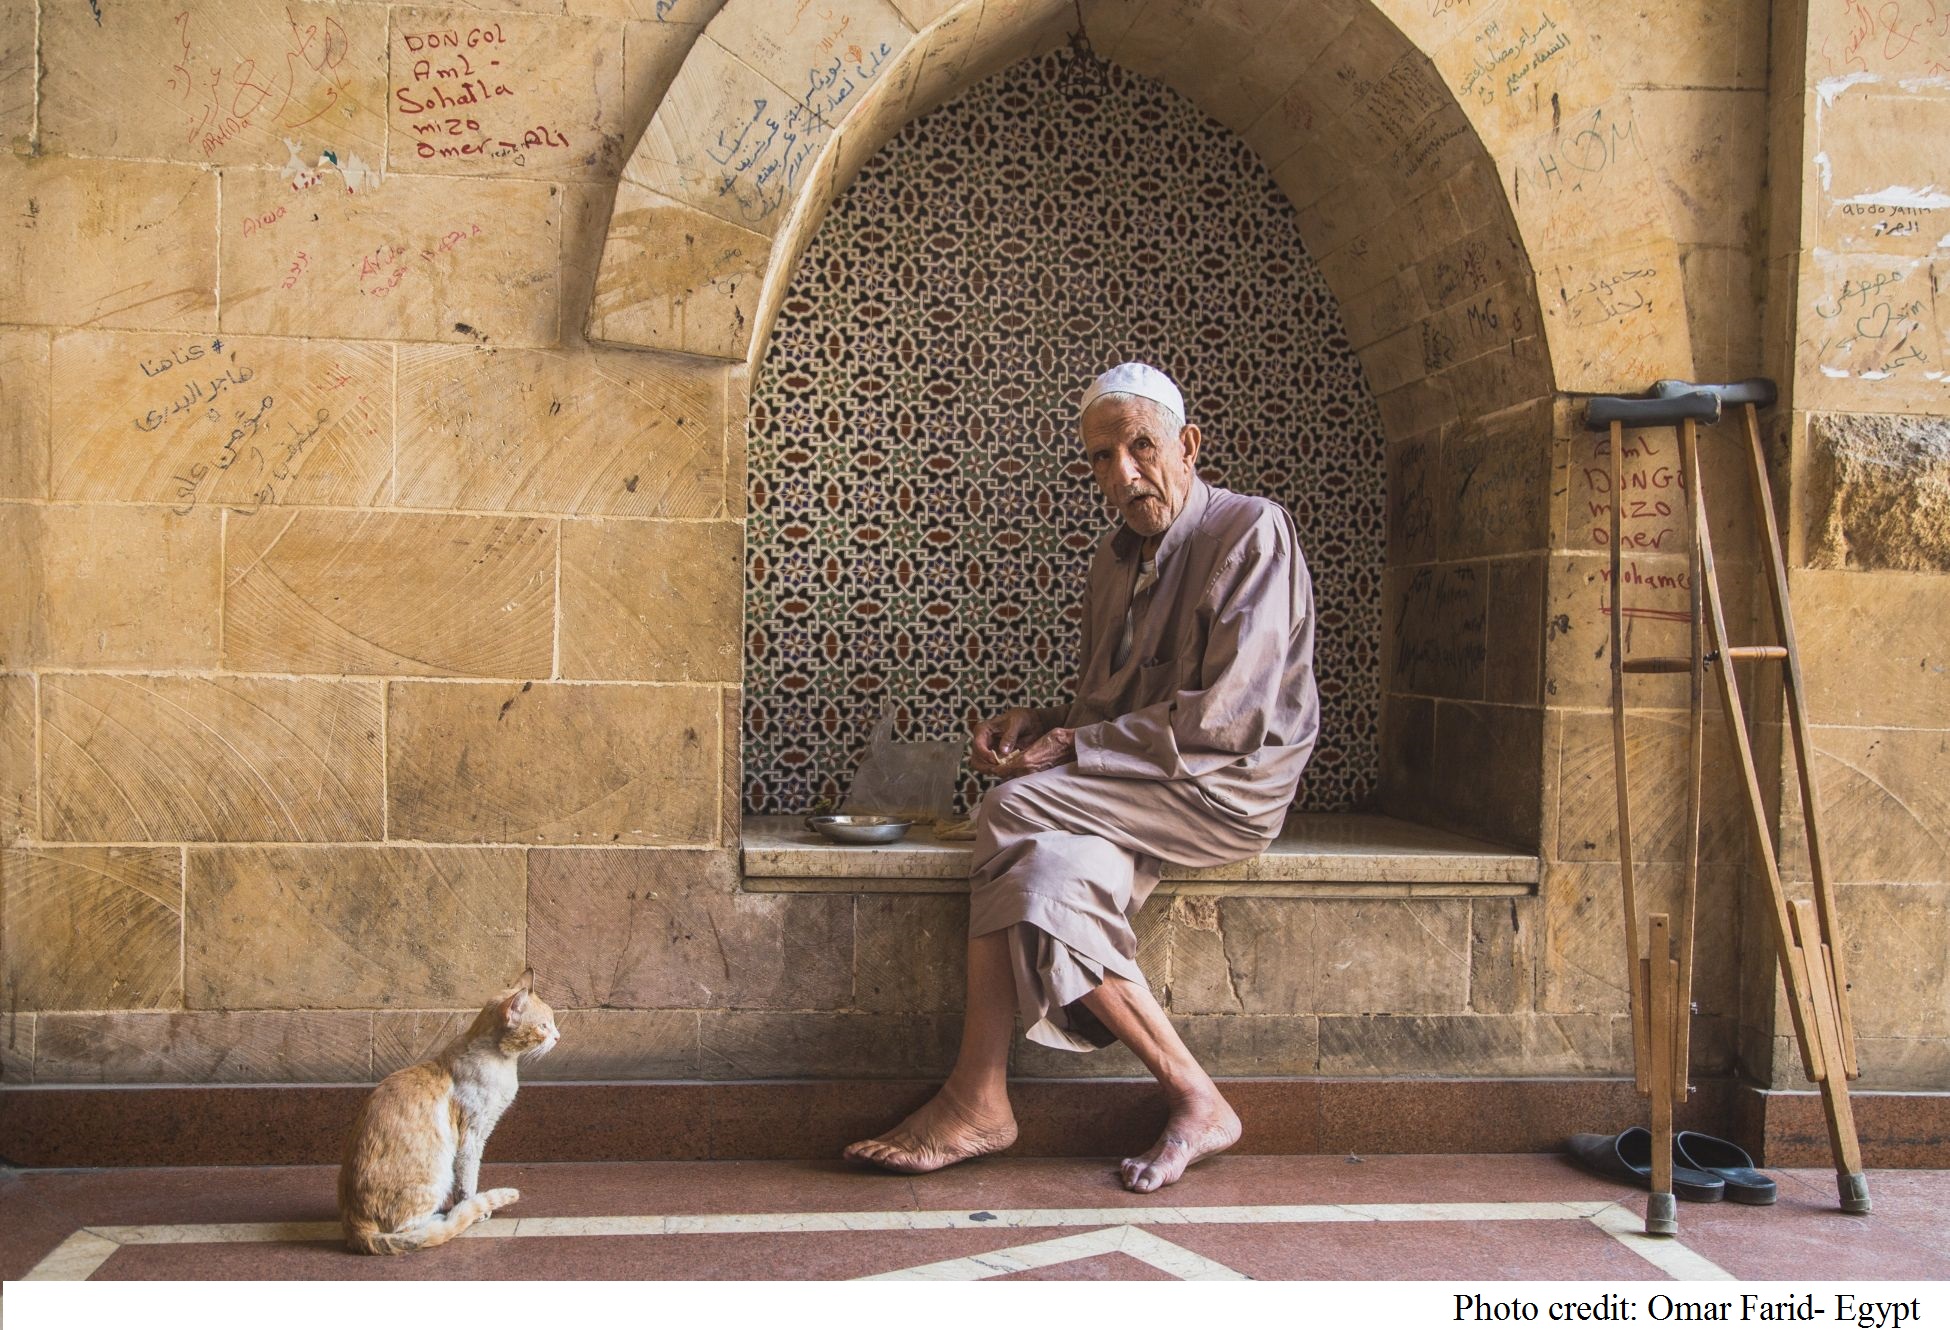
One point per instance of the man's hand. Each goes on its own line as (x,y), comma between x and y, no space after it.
(1000,740)
(1052,750)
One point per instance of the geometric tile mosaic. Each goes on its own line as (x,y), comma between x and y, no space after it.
(920,515)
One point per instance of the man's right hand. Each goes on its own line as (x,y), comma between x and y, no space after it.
(1000,738)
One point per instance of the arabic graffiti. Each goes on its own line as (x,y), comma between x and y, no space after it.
(1609,296)
(222,90)
(1875,324)
(762,158)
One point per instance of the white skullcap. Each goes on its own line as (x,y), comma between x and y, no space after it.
(1138,379)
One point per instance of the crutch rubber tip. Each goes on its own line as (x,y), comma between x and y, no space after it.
(1662,1215)
(1855,1193)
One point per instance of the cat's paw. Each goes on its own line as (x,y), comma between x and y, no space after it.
(501,1197)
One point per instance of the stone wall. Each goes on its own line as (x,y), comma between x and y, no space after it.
(378,632)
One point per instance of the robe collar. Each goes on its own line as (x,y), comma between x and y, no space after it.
(1126,543)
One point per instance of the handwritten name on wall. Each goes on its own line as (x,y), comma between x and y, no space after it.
(511,95)
(227,79)
(1874,320)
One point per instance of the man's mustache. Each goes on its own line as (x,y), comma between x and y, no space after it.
(1134,495)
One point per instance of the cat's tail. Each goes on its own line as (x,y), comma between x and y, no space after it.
(432,1230)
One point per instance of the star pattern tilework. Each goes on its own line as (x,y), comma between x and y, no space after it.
(920,516)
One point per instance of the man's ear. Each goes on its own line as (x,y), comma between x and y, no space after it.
(1189,438)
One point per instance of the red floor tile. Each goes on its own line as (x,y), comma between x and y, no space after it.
(1115,1266)
(1522,1249)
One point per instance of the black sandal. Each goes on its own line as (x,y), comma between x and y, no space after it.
(1726,1161)
(1628,1158)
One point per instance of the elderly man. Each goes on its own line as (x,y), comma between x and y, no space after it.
(1195,713)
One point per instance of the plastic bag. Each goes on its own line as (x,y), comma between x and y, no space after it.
(910,780)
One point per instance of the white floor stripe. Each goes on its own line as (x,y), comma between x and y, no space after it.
(80,1254)
(1669,1254)
(1172,1258)
(1154,1251)
(87,1249)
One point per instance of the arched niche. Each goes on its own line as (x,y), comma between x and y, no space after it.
(1466,175)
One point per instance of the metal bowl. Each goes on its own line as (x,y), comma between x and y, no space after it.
(859,828)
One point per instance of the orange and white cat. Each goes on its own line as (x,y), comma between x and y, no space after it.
(411,1168)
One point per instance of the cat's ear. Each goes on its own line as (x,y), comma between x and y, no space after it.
(527,981)
(513,1006)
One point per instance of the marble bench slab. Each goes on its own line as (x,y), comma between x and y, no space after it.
(1319,854)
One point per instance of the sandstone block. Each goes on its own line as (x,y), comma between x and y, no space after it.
(1709,150)
(143,758)
(595,1046)
(1885,811)
(17,18)
(583,432)
(1433,637)
(1897,939)
(1904,1063)
(1872,190)
(114,244)
(1491,493)
(647,928)
(586,210)
(744,1045)
(1607,318)
(554,763)
(389,593)
(196,420)
(1197,971)
(1302,957)
(1516,1045)
(731,786)
(654,50)
(201,1047)
(1584,935)
(129,586)
(92,929)
(1495,381)
(910,953)
(1877,492)
(1715,43)
(1868,339)
(672,13)
(352,927)
(677,279)
(1655,598)
(223,82)
(1522,65)
(505,95)
(419,259)
(1411,493)
(19,800)
(21,628)
(17,1047)
(1513,667)
(1501,955)
(23,414)
(1486,776)
(1585,183)
(1888,623)
(652,600)
(1655,754)
(1726,300)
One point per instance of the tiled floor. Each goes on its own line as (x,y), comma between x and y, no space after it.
(1257,1217)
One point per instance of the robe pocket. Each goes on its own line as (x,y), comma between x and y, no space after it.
(1157,680)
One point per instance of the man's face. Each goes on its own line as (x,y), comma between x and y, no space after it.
(1143,465)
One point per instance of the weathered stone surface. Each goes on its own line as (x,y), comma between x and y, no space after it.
(1460,1045)
(1514,632)
(1891,623)
(1877,492)
(1726,300)
(1299,957)
(506,95)
(1655,599)
(1715,43)
(590,432)
(141,758)
(389,593)
(677,279)
(1411,491)
(553,763)
(1490,496)
(652,600)
(1433,629)
(411,258)
(111,244)
(648,928)
(1501,956)
(23,414)
(1885,808)
(1869,342)
(17,69)
(177,421)
(1584,935)
(595,1046)
(653,51)
(1709,150)
(1897,943)
(19,799)
(20,606)
(1605,315)
(1485,778)
(214,82)
(741,1045)
(129,586)
(910,953)
(731,784)
(16,1047)
(92,929)
(351,927)
(1656,765)
(202,1047)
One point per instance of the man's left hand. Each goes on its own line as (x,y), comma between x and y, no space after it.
(1052,750)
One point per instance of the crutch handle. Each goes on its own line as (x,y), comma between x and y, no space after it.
(1757,392)
(1651,412)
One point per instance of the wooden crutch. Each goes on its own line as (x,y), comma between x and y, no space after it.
(1807,934)
(1659,975)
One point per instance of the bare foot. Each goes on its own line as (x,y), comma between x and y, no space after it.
(1195,1129)
(941,1132)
